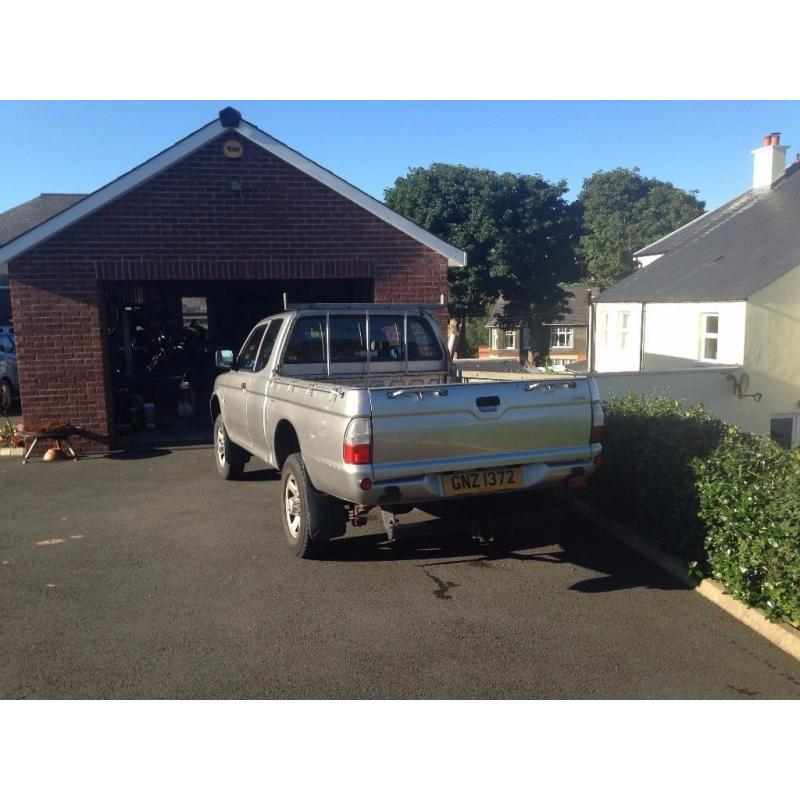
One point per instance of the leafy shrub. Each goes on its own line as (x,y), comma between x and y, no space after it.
(650,443)
(725,500)
(749,494)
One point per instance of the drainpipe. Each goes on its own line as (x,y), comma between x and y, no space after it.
(641,338)
(590,340)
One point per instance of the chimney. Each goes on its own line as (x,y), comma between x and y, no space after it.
(769,162)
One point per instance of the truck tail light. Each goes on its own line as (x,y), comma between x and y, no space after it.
(358,442)
(597,434)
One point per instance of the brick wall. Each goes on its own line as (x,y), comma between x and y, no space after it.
(190,223)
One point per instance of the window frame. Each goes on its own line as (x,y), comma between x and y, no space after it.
(569,337)
(623,329)
(706,336)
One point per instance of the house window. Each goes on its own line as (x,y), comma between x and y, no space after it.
(784,429)
(495,339)
(709,337)
(561,337)
(511,340)
(624,320)
(604,328)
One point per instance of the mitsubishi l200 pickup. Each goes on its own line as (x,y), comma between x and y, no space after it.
(358,407)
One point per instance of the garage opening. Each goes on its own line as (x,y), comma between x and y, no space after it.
(162,336)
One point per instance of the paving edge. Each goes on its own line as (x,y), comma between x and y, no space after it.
(779,633)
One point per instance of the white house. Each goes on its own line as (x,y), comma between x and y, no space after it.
(713,311)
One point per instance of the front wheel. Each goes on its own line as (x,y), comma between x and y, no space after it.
(310,518)
(223,450)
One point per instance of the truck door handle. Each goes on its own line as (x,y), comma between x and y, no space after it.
(244,386)
(489,403)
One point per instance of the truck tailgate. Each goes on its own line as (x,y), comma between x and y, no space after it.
(470,425)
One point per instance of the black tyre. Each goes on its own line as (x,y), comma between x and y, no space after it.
(5,396)
(230,465)
(310,518)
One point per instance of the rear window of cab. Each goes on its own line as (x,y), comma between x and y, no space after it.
(354,340)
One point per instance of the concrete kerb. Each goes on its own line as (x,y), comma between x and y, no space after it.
(780,634)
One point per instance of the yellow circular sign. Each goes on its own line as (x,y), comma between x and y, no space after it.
(233,149)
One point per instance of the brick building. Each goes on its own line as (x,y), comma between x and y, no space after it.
(229,215)
(568,336)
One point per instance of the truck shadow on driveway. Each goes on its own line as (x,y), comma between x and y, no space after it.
(551,537)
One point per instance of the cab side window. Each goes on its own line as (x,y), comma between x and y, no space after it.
(307,345)
(249,351)
(422,344)
(268,345)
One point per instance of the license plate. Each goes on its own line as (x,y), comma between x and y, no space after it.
(483,480)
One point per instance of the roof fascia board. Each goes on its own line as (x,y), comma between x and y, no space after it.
(111,191)
(455,257)
(165,159)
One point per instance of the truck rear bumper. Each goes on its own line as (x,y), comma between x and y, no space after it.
(429,488)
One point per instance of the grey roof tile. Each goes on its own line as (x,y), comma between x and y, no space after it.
(24,217)
(725,255)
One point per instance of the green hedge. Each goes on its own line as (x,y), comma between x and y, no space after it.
(650,443)
(749,494)
(726,501)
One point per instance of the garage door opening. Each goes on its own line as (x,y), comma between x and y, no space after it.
(162,336)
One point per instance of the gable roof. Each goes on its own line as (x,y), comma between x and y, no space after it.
(22,218)
(576,313)
(229,121)
(725,255)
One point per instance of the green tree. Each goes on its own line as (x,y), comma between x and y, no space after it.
(622,211)
(518,232)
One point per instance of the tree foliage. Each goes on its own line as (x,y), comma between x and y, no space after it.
(518,231)
(622,211)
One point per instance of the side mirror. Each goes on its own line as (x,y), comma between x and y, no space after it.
(224,359)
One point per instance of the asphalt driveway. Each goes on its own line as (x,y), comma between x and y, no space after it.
(143,575)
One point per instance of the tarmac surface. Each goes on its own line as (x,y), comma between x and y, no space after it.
(142,575)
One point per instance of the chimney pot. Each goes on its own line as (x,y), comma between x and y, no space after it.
(766,140)
(775,139)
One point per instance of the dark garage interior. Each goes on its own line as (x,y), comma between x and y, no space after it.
(163,336)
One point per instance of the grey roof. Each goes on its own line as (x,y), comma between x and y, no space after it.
(726,255)
(577,312)
(22,218)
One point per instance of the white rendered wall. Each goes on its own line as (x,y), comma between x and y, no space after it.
(674,333)
(707,385)
(609,355)
(772,349)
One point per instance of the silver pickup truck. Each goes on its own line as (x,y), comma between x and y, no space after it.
(358,407)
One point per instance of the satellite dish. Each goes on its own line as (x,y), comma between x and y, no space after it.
(744,383)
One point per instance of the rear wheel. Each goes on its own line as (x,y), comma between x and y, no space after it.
(310,518)
(224,451)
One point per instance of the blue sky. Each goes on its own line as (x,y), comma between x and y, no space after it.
(78,146)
